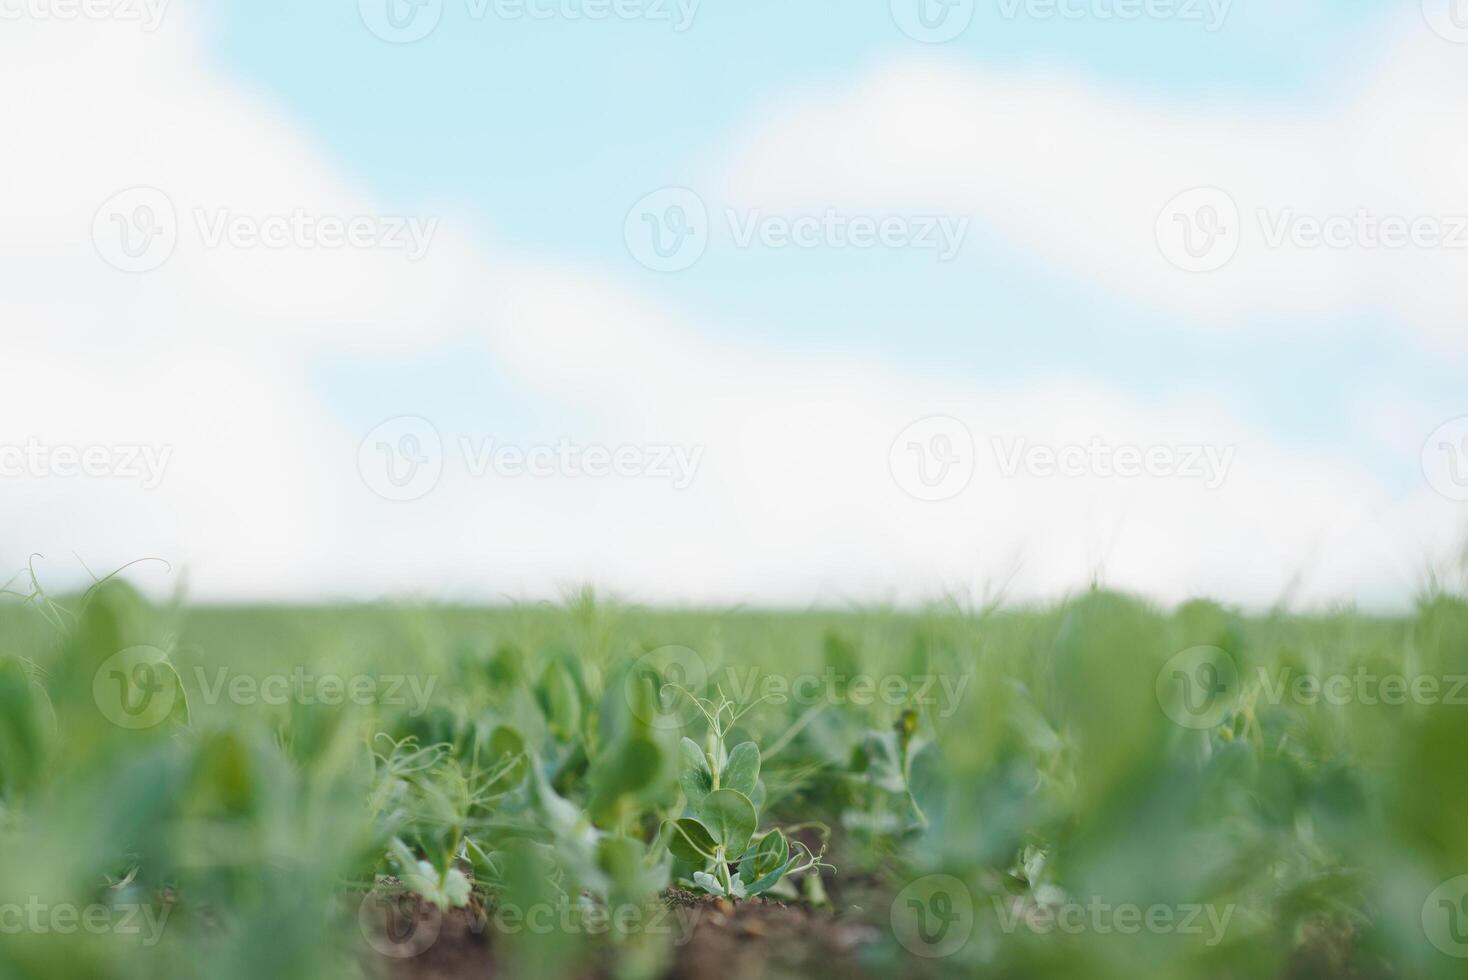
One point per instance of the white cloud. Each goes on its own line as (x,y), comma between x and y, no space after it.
(793,502)
(1076,177)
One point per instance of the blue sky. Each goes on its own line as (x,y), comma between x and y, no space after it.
(817,385)
(547,130)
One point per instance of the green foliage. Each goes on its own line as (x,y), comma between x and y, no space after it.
(1031,758)
(720,788)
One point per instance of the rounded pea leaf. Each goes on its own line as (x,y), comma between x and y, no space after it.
(561,702)
(691,841)
(507,749)
(742,771)
(693,773)
(730,819)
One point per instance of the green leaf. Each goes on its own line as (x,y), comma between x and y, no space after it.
(881,759)
(764,883)
(742,771)
(22,733)
(691,841)
(562,702)
(506,744)
(708,883)
(693,773)
(630,766)
(619,857)
(770,853)
(731,820)
(766,862)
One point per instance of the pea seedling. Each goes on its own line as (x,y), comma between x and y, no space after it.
(718,831)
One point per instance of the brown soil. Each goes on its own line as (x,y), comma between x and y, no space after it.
(715,941)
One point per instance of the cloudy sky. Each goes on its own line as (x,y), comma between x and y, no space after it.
(768,302)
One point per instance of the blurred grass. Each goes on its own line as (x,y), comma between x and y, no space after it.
(1056,775)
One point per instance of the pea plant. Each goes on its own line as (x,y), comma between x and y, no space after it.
(718,832)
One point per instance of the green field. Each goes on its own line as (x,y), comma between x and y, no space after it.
(1097,788)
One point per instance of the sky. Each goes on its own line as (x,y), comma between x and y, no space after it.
(711,302)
